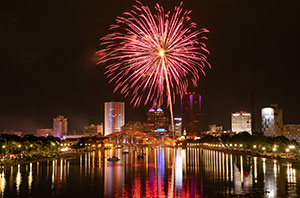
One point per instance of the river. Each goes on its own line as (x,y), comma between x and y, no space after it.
(164,172)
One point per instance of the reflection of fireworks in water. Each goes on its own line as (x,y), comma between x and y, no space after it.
(151,55)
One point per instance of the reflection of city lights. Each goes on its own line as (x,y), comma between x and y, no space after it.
(30,177)
(2,183)
(18,179)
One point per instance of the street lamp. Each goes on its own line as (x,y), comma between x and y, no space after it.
(291,146)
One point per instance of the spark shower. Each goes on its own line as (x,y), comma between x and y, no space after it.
(152,56)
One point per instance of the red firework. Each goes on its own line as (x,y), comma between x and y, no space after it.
(154,54)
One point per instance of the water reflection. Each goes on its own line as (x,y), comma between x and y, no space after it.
(164,172)
(30,177)
(18,179)
(2,183)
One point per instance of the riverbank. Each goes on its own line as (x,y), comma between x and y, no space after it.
(26,159)
(283,158)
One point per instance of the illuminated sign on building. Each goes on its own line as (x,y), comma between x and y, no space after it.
(161,130)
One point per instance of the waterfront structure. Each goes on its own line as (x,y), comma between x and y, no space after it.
(241,122)
(158,119)
(191,109)
(93,129)
(114,117)
(272,122)
(44,132)
(178,127)
(60,126)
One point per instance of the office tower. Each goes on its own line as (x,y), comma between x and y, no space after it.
(178,126)
(114,116)
(158,119)
(272,122)
(241,122)
(60,126)
(191,108)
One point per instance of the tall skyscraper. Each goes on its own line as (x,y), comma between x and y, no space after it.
(241,122)
(272,122)
(191,108)
(60,126)
(114,117)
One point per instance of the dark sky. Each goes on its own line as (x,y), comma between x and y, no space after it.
(48,66)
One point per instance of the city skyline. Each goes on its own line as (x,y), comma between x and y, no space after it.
(49,68)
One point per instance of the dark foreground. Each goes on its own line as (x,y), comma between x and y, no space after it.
(164,172)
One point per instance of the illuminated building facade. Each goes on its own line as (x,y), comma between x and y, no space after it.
(114,117)
(44,132)
(178,127)
(241,122)
(292,131)
(158,119)
(93,129)
(272,122)
(191,109)
(214,128)
(133,126)
(60,126)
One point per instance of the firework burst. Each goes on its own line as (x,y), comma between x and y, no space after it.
(151,55)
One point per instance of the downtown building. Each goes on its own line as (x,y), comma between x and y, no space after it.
(114,117)
(272,121)
(44,132)
(191,109)
(157,121)
(60,126)
(241,122)
(93,129)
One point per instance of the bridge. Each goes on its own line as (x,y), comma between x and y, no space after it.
(130,138)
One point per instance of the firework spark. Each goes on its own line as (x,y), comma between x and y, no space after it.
(151,55)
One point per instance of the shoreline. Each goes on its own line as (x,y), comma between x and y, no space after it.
(295,161)
(14,162)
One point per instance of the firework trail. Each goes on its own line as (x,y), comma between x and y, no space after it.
(151,55)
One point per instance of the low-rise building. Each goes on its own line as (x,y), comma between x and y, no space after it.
(44,132)
(93,129)
(292,131)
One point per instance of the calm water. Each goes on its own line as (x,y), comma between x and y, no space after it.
(165,172)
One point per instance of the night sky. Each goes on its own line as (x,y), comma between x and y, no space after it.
(48,63)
